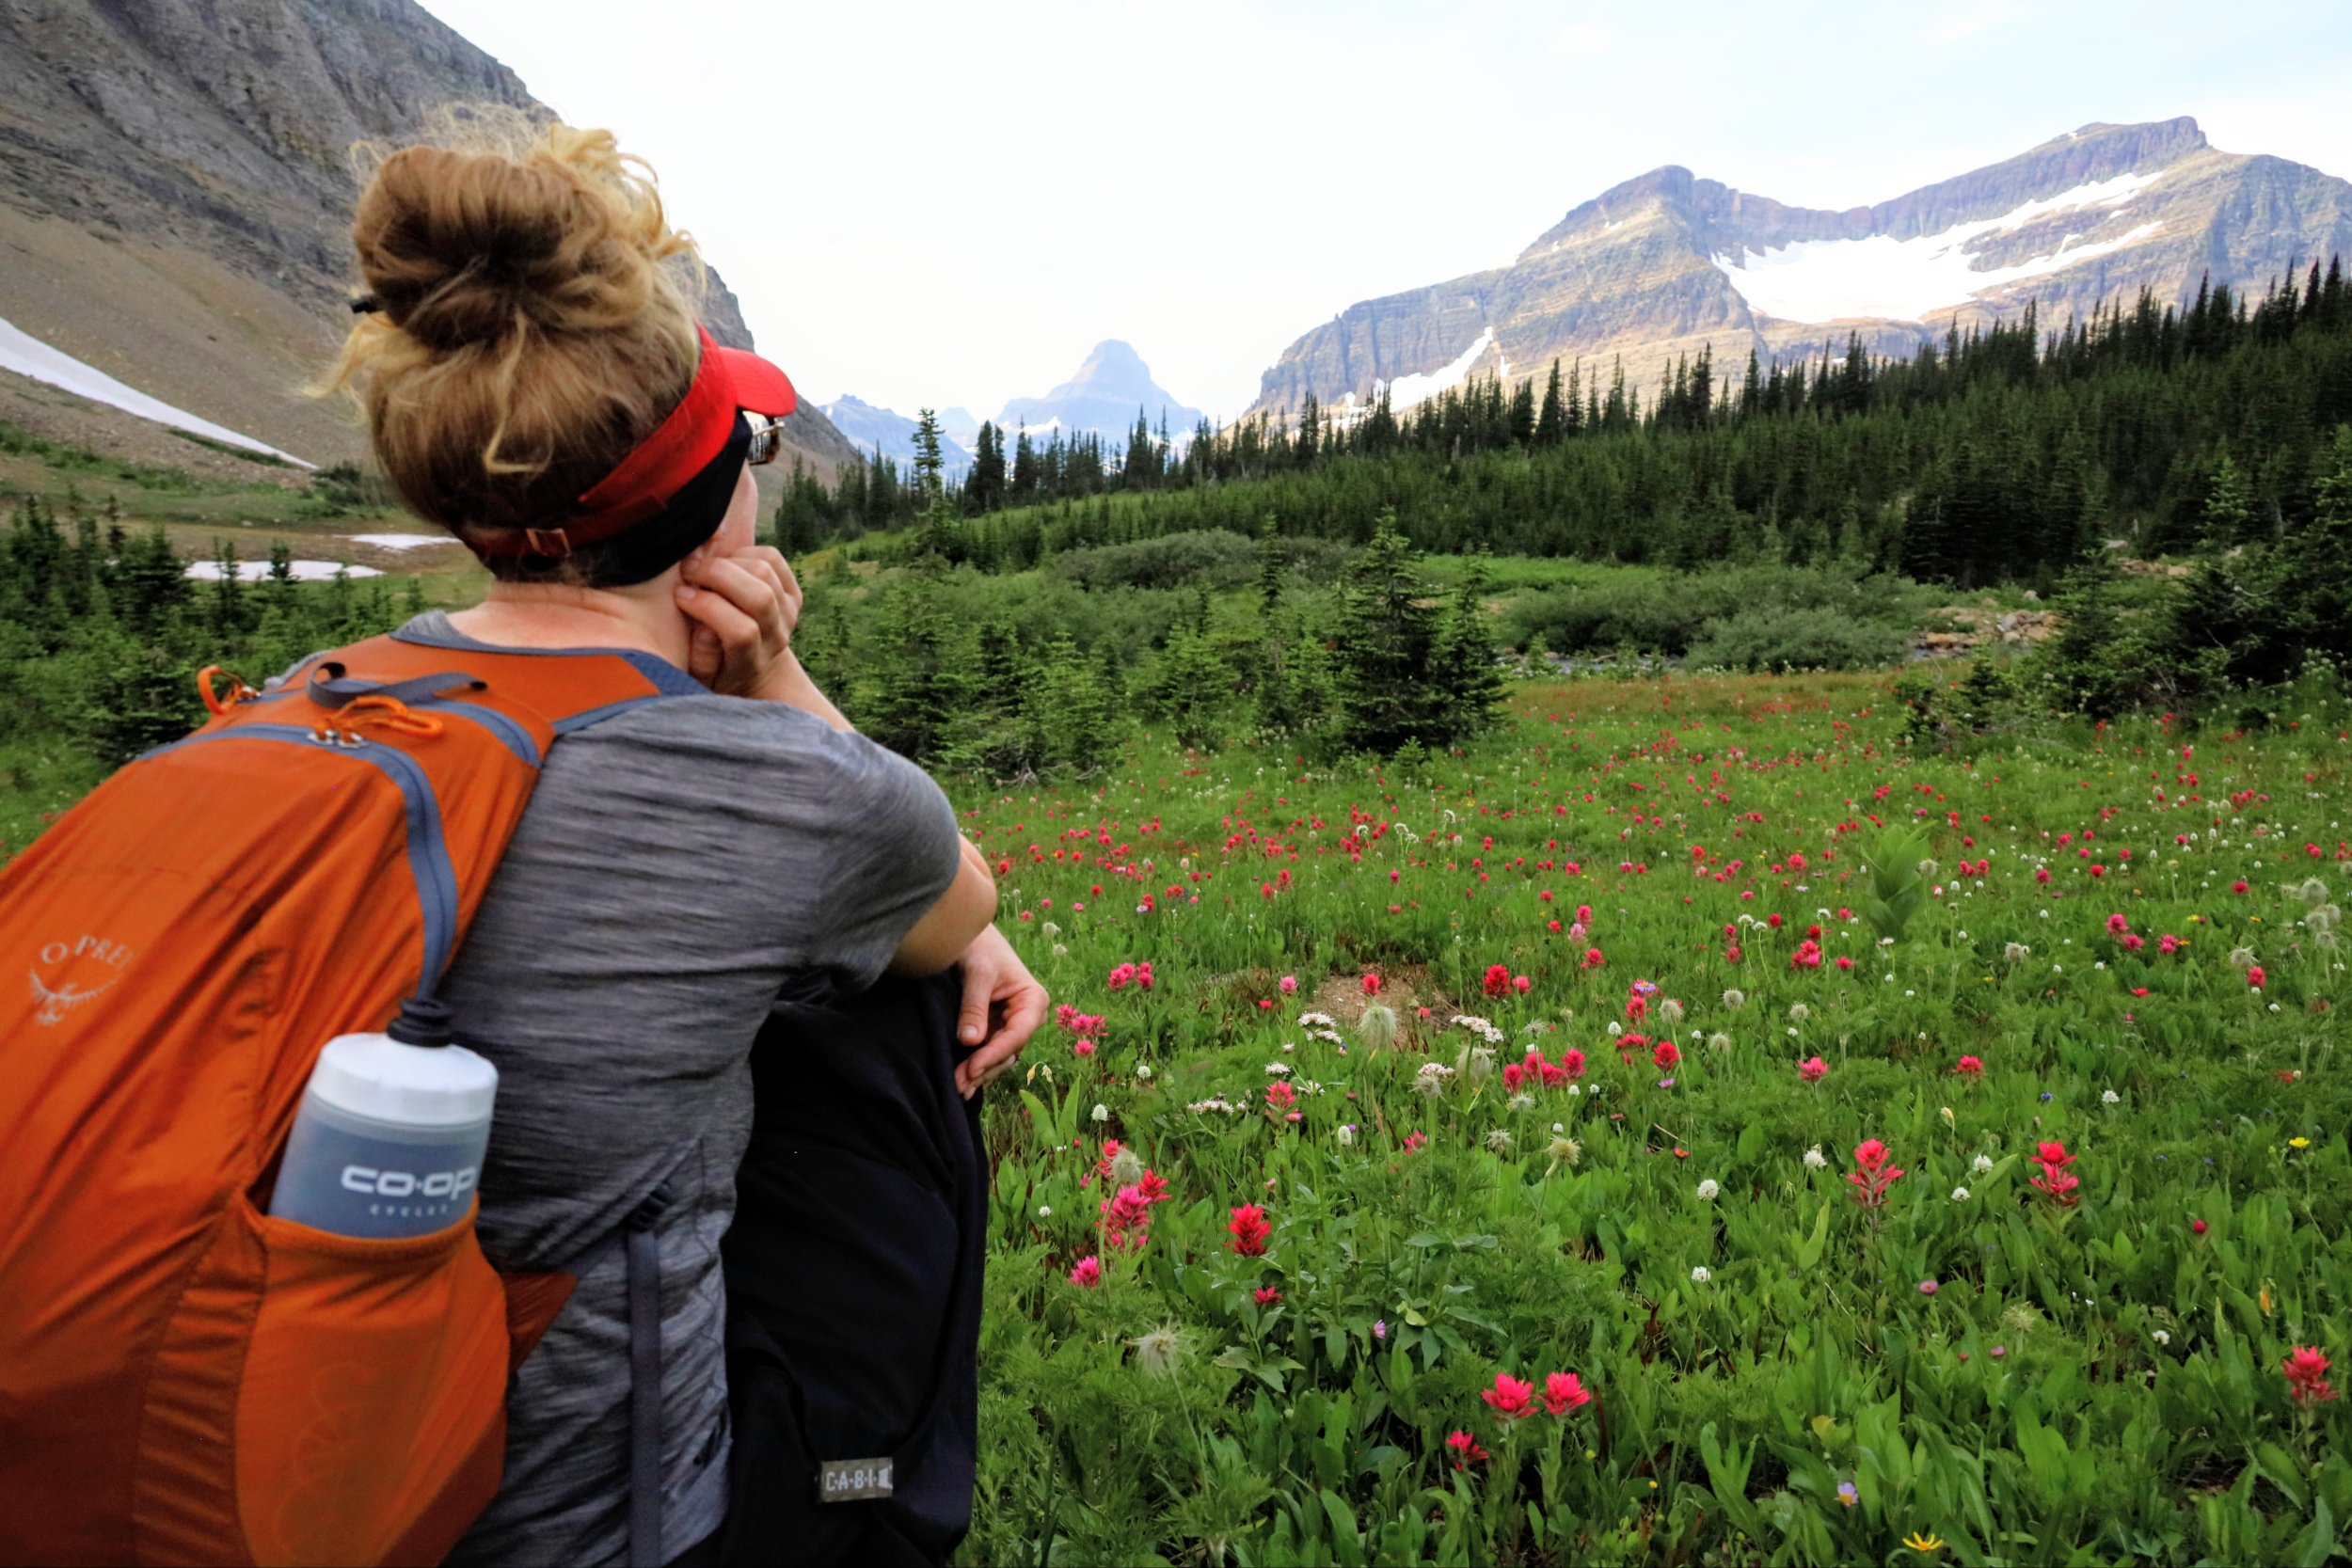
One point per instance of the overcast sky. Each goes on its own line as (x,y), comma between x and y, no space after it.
(950,203)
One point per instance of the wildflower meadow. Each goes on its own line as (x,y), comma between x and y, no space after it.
(1683,1125)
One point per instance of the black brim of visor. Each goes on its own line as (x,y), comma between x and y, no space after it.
(670,535)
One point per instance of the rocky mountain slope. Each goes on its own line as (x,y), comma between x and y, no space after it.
(1667,263)
(1104,397)
(175,191)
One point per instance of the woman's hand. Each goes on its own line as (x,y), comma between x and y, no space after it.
(1002,1005)
(744,607)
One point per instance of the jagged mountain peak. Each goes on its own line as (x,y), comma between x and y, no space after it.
(1112,386)
(1670,262)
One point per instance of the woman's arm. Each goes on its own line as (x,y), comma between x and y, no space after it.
(949,926)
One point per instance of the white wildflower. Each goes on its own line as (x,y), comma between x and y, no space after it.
(1699,1276)
(1981,1165)
(1099,1114)
(1814,1159)
(1708,1191)
(2108,1096)
(1960,1194)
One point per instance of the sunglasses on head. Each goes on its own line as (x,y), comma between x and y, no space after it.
(767,439)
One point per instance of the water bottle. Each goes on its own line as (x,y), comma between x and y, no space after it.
(389,1138)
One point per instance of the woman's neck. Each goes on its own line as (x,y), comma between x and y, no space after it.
(548,615)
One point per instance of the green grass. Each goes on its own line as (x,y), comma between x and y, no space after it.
(2088,1381)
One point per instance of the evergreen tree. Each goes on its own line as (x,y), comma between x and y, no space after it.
(1386,635)
(1466,664)
(1551,425)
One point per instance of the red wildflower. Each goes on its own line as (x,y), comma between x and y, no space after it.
(1372,984)
(1266,1295)
(2059,1185)
(1280,1096)
(1813,1072)
(1511,1398)
(2307,1379)
(1807,955)
(1498,982)
(1249,1231)
(1087,1275)
(1872,1175)
(1571,1063)
(1665,1055)
(1466,1451)
(1592,958)
(2254,975)
(1970,1066)
(1413,1141)
(1563,1393)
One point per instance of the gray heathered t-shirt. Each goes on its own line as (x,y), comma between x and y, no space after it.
(680,866)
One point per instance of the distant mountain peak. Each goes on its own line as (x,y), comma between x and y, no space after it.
(1113,385)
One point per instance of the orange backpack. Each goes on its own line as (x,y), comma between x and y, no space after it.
(184,1378)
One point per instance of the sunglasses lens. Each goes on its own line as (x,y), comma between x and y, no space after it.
(766,440)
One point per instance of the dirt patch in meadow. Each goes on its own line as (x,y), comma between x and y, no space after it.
(1406,989)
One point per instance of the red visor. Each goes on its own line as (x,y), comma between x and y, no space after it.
(726,382)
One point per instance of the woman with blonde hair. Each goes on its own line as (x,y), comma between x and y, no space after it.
(534,382)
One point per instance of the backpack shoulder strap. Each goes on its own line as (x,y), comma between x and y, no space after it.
(529,696)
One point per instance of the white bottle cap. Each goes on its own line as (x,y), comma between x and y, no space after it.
(417,1086)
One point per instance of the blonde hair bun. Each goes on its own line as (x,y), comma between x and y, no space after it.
(532,328)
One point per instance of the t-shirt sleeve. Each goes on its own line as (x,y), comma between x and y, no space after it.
(889,849)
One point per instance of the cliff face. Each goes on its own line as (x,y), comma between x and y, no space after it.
(175,189)
(1667,263)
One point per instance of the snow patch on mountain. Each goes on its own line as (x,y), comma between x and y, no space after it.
(1821,281)
(27,356)
(1407,390)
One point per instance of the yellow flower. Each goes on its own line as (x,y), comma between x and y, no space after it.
(2299,1143)
(1923,1544)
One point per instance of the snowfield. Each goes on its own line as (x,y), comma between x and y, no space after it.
(27,356)
(1407,390)
(1821,281)
(257,571)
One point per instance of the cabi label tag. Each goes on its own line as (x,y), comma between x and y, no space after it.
(848,1481)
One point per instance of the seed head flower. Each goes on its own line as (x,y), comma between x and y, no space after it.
(1159,1352)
